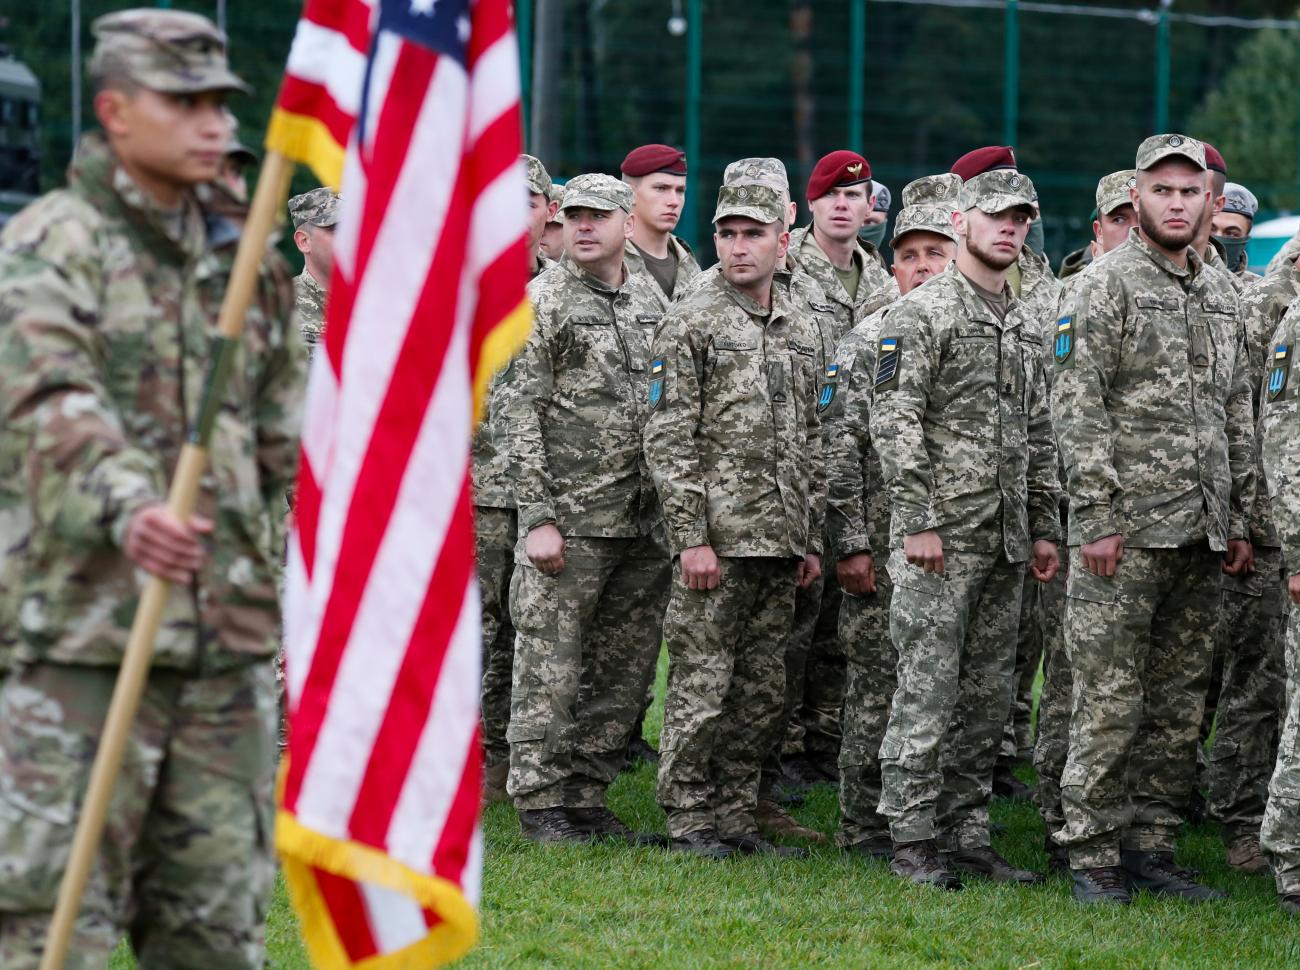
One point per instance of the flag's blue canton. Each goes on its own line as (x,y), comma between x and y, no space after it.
(441,25)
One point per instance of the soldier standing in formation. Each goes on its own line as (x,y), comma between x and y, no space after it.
(496,526)
(314,215)
(101,373)
(959,419)
(857,516)
(591,571)
(657,175)
(1153,414)
(734,445)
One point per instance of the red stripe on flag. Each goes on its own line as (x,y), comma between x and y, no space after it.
(415,374)
(306,510)
(350,18)
(452,851)
(401,731)
(302,97)
(348,913)
(491,21)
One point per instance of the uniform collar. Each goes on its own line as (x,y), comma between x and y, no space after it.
(750,305)
(589,281)
(973,304)
(309,282)
(1190,271)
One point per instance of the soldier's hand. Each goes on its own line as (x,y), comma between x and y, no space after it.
(1293,588)
(545,549)
(925,549)
(700,568)
(857,574)
(1239,560)
(163,545)
(809,570)
(1046,563)
(1102,557)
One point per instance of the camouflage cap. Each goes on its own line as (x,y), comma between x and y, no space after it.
(319,207)
(883,196)
(1159,147)
(539,181)
(597,191)
(941,189)
(758,171)
(1240,200)
(926,217)
(556,195)
(1112,190)
(998,190)
(171,51)
(762,203)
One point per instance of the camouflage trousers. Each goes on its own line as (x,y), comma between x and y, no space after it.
(495,536)
(815,670)
(1017,734)
(1251,635)
(868,690)
(1280,836)
(1140,645)
(1052,742)
(586,643)
(955,635)
(726,693)
(186,865)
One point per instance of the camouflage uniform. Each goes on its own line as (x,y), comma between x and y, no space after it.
(1252,620)
(496,530)
(959,419)
(573,407)
(104,392)
(1153,414)
(816,661)
(687,268)
(734,443)
(319,207)
(1279,441)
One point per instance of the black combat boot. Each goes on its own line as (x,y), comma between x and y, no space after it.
(1290,903)
(984,861)
(880,847)
(1058,856)
(1156,872)
(755,844)
(1105,885)
(919,863)
(703,843)
(1007,785)
(604,824)
(552,826)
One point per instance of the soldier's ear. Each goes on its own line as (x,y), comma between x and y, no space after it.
(627,226)
(302,241)
(782,244)
(112,108)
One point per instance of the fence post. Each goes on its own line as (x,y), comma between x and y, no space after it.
(1162,66)
(694,67)
(857,72)
(524,34)
(1011,73)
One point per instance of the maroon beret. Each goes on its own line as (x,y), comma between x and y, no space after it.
(983,160)
(649,159)
(1213,160)
(836,169)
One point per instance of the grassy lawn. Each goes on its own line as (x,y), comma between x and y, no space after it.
(619,907)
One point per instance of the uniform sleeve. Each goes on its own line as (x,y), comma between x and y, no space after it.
(905,371)
(1044,484)
(1279,429)
(1081,379)
(1258,309)
(670,450)
(280,395)
(816,475)
(1240,429)
(526,388)
(847,435)
(83,477)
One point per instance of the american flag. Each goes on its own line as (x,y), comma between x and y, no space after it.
(378,826)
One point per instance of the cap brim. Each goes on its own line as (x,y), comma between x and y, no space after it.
(746,212)
(589,202)
(169,83)
(994,204)
(946,231)
(1114,202)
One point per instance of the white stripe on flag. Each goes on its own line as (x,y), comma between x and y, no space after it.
(494,85)
(323,56)
(395,919)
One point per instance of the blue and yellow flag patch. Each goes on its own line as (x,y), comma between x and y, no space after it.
(1281,372)
(1063,346)
(888,357)
(828,387)
(656,382)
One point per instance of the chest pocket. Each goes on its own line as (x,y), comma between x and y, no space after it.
(1016,369)
(737,362)
(597,341)
(1210,339)
(803,368)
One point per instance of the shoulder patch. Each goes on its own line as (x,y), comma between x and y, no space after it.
(888,358)
(1280,372)
(1063,345)
(829,382)
(656,382)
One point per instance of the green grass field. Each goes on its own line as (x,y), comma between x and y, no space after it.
(606,906)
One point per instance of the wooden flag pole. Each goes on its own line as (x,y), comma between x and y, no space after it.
(272,186)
